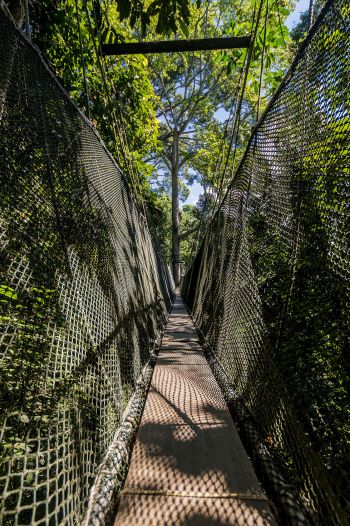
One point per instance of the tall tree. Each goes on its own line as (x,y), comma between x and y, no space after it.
(189,97)
(192,87)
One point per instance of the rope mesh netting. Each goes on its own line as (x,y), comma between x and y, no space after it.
(84,295)
(269,288)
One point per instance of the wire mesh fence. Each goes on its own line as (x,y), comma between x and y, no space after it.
(83,293)
(270,286)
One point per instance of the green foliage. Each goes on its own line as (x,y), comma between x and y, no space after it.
(159,215)
(169,16)
(272,48)
(190,222)
(190,87)
(121,99)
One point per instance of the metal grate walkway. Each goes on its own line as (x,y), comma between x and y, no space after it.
(188,465)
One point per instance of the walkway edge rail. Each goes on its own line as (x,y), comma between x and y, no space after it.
(290,509)
(112,472)
(114,467)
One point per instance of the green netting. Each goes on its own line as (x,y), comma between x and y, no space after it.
(83,293)
(270,285)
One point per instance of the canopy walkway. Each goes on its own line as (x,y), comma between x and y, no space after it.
(113,412)
(188,465)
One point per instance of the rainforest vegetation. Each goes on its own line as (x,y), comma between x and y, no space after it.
(176,120)
(169,120)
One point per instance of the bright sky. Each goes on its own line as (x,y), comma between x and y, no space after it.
(291,21)
(293,18)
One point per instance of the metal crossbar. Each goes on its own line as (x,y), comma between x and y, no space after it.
(171,46)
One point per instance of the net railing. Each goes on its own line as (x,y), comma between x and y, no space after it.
(84,294)
(269,287)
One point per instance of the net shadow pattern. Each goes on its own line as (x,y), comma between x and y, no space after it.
(269,287)
(84,294)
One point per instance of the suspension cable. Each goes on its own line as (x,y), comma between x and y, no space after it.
(133,169)
(311,14)
(237,104)
(27,19)
(234,133)
(82,60)
(115,125)
(234,138)
(103,77)
(262,60)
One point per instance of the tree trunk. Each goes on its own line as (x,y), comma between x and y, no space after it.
(175,207)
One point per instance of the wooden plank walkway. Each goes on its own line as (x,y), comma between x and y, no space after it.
(188,466)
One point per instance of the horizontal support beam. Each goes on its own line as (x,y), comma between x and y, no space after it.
(169,46)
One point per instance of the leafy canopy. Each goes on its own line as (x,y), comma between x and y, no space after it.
(170,15)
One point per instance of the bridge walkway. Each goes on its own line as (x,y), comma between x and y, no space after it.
(188,465)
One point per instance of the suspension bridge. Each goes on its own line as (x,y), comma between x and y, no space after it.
(125,401)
